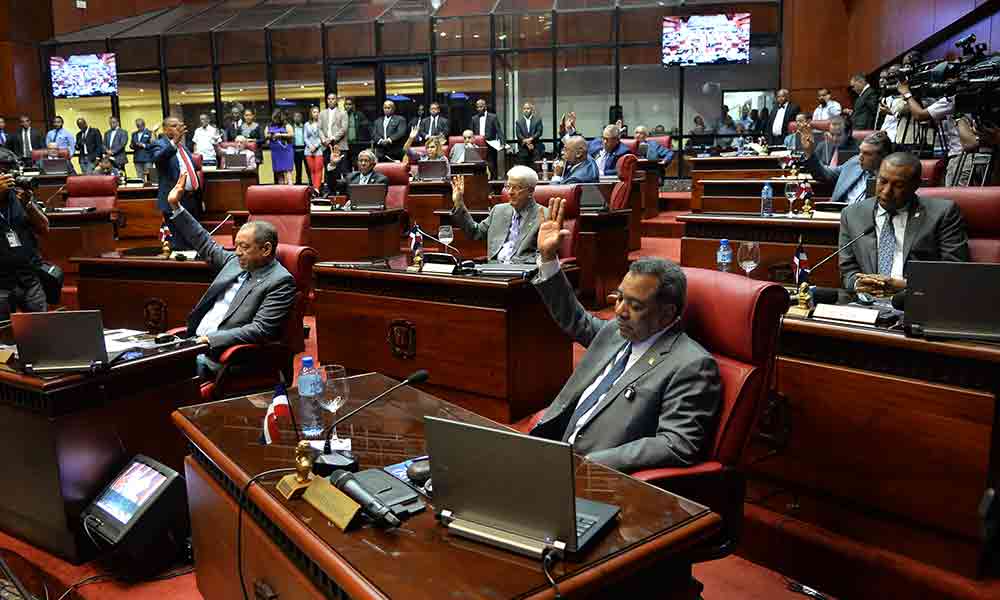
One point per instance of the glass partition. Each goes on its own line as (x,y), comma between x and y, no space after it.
(139,98)
(585,27)
(524,77)
(585,80)
(467,33)
(461,81)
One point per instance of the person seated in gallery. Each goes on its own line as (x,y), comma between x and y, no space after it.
(241,148)
(434,145)
(607,150)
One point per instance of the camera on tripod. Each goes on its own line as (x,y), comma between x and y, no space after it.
(10,165)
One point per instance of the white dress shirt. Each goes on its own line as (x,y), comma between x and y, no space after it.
(482,125)
(899,227)
(943,112)
(825,113)
(777,128)
(385,128)
(890,124)
(213,318)
(860,190)
(204,139)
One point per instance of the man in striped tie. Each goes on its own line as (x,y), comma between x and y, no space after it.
(172,158)
(645,394)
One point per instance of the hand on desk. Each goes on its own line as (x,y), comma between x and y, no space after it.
(174,197)
(551,232)
(880,285)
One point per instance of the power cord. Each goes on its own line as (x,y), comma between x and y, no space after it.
(86,530)
(103,577)
(549,559)
(239,523)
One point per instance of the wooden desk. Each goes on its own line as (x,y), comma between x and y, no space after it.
(150,294)
(48,190)
(650,188)
(425,197)
(347,234)
(299,554)
(77,234)
(778,238)
(225,190)
(66,436)
(489,343)
(743,195)
(142,217)
(755,168)
(890,441)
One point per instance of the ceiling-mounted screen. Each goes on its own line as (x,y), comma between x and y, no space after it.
(706,39)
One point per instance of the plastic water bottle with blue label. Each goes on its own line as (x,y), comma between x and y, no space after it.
(309,410)
(724,256)
(767,201)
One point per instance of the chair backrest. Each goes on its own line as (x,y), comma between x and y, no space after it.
(861,134)
(457,139)
(571,214)
(299,261)
(37,155)
(662,140)
(932,172)
(980,207)
(284,206)
(98,191)
(623,189)
(399,183)
(199,167)
(630,144)
(737,321)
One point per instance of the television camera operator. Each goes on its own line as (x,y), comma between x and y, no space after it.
(21,220)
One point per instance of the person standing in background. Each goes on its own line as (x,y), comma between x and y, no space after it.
(88,145)
(252,131)
(299,145)
(141,140)
(205,137)
(281,139)
(115,140)
(60,137)
(314,148)
(3,132)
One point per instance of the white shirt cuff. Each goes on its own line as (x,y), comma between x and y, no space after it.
(547,269)
(177,211)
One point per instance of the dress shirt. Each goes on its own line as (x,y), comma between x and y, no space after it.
(890,124)
(899,224)
(482,125)
(600,159)
(364,178)
(182,166)
(778,128)
(860,190)
(204,139)
(825,113)
(385,128)
(3,138)
(62,139)
(26,142)
(299,133)
(213,318)
(433,125)
(509,246)
(943,112)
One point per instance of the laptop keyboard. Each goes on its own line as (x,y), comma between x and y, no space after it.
(583,524)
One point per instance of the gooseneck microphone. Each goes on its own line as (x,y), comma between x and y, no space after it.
(371,505)
(427,235)
(870,229)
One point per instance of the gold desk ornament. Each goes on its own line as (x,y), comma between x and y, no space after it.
(802,308)
(334,504)
(165,249)
(293,485)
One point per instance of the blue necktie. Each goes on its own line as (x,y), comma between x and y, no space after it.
(886,246)
(602,388)
(509,247)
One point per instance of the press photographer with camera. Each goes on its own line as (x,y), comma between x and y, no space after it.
(977,136)
(942,113)
(20,221)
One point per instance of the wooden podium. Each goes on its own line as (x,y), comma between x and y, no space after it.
(291,551)
(77,234)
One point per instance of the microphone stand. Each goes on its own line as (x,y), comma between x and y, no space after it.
(217,227)
(867,231)
(425,234)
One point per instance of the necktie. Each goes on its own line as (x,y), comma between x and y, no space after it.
(602,388)
(27,144)
(512,234)
(83,143)
(886,246)
(192,176)
(434,124)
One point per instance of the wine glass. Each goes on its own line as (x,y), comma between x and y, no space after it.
(447,235)
(335,390)
(749,256)
(791,190)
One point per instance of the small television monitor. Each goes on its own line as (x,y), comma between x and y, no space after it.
(706,39)
(84,75)
(127,499)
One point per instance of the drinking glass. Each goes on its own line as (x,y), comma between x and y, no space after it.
(749,256)
(447,235)
(791,189)
(335,390)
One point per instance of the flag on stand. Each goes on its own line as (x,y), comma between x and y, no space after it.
(164,233)
(416,239)
(277,411)
(800,260)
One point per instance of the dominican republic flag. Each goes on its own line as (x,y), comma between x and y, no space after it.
(164,233)
(800,260)
(416,239)
(277,411)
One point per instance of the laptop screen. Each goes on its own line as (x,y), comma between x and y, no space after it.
(432,169)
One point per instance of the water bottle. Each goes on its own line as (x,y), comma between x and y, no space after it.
(309,411)
(723,257)
(767,201)
(545,169)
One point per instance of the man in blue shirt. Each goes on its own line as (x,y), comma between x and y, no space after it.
(607,150)
(61,137)
(654,151)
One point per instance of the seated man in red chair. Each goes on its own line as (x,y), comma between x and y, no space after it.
(645,394)
(252,294)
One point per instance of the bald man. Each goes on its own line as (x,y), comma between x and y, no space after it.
(576,165)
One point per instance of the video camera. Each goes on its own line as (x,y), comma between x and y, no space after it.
(10,165)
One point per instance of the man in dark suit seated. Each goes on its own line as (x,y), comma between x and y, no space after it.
(576,166)
(834,141)
(252,294)
(528,130)
(853,180)
(907,227)
(645,394)
(654,151)
(511,228)
(607,150)
(366,172)
(389,133)
(172,158)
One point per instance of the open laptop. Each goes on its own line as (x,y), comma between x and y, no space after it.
(594,196)
(510,490)
(950,300)
(55,166)
(60,342)
(234,161)
(642,150)
(473,154)
(367,196)
(431,170)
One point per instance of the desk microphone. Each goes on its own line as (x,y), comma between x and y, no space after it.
(427,235)
(329,461)
(868,230)
(371,505)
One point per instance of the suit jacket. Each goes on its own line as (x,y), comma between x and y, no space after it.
(493,130)
(496,225)
(582,172)
(396,132)
(790,113)
(666,420)
(611,167)
(935,230)
(865,110)
(115,145)
(845,176)
(654,151)
(94,142)
(15,142)
(375,177)
(333,127)
(261,305)
(440,128)
(535,131)
(164,154)
(141,153)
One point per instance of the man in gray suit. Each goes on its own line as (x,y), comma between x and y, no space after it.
(252,294)
(853,180)
(115,140)
(645,394)
(906,227)
(511,228)
(333,134)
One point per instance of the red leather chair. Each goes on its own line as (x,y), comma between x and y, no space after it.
(199,168)
(284,206)
(571,215)
(251,145)
(737,320)
(249,368)
(37,155)
(932,172)
(980,208)
(98,191)
(630,144)
(399,183)
(623,189)
(633,145)
(861,134)
(662,140)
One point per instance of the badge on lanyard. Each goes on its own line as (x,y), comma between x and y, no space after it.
(12,240)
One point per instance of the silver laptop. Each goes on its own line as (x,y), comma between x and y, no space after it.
(594,196)
(510,490)
(949,300)
(367,196)
(55,166)
(60,342)
(430,170)
(234,161)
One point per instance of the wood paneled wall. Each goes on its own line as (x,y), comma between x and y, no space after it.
(23,23)
(66,17)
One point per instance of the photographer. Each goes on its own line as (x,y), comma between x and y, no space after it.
(941,113)
(977,137)
(21,220)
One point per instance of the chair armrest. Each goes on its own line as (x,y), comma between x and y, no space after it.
(246,353)
(528,423)
(652,475)
(178,331)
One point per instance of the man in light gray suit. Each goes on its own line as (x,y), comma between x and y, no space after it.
(252,294)
(333,133)
(645,394)
(115,139)
(905,227)
(511,228)
(853,180)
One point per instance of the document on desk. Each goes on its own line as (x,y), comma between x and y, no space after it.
(117,340)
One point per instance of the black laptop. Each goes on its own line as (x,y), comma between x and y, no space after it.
(55,166)
(951,300)
(367,196)
(432,170)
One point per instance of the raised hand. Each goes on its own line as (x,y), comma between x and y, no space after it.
(551,232)
(413,133)
(807,140)
(174,197)
(457,190)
